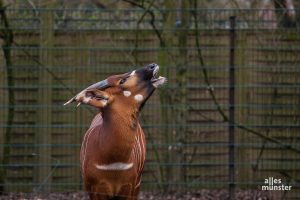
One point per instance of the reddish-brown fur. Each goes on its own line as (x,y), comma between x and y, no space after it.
(115,137)
(108,142)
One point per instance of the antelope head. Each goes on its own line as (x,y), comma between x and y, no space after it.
(130,89)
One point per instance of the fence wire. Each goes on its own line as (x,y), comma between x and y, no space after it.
(54,53)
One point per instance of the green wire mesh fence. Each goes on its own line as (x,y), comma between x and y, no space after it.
(48,55)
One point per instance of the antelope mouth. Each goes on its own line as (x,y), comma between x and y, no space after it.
(157,80)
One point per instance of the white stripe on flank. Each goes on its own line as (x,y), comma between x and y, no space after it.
(115,166)
(83,148)
(143,149)
(139,183)
(140,153)
(86,140)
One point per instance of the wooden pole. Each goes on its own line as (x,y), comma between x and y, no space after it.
(43,134)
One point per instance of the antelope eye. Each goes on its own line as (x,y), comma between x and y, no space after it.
(122,81)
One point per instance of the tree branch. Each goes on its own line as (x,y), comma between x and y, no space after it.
(152,21)
(212,94)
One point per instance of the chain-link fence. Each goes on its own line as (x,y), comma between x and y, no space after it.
(48,55)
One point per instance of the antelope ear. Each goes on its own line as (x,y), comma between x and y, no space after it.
(93,97)
(100,86)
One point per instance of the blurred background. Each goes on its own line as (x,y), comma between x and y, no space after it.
(228,119)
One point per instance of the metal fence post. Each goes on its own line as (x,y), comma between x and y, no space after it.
(231,109)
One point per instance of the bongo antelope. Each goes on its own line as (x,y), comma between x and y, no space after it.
(113,149)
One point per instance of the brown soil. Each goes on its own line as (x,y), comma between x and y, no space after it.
(199,195)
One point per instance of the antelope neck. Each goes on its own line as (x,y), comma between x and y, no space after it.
(120,119)
(121,128)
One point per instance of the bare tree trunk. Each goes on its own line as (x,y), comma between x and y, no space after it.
(7,36)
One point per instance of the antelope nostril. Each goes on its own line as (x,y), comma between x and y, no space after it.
(152,66)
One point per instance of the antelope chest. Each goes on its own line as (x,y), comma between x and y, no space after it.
(95,164)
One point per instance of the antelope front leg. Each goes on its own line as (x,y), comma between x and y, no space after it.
(126,193)
(136,192)
(100,192)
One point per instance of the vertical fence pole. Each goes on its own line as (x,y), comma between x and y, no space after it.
(231,109)
(43,136)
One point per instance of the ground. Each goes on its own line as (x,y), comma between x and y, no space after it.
(198,195)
